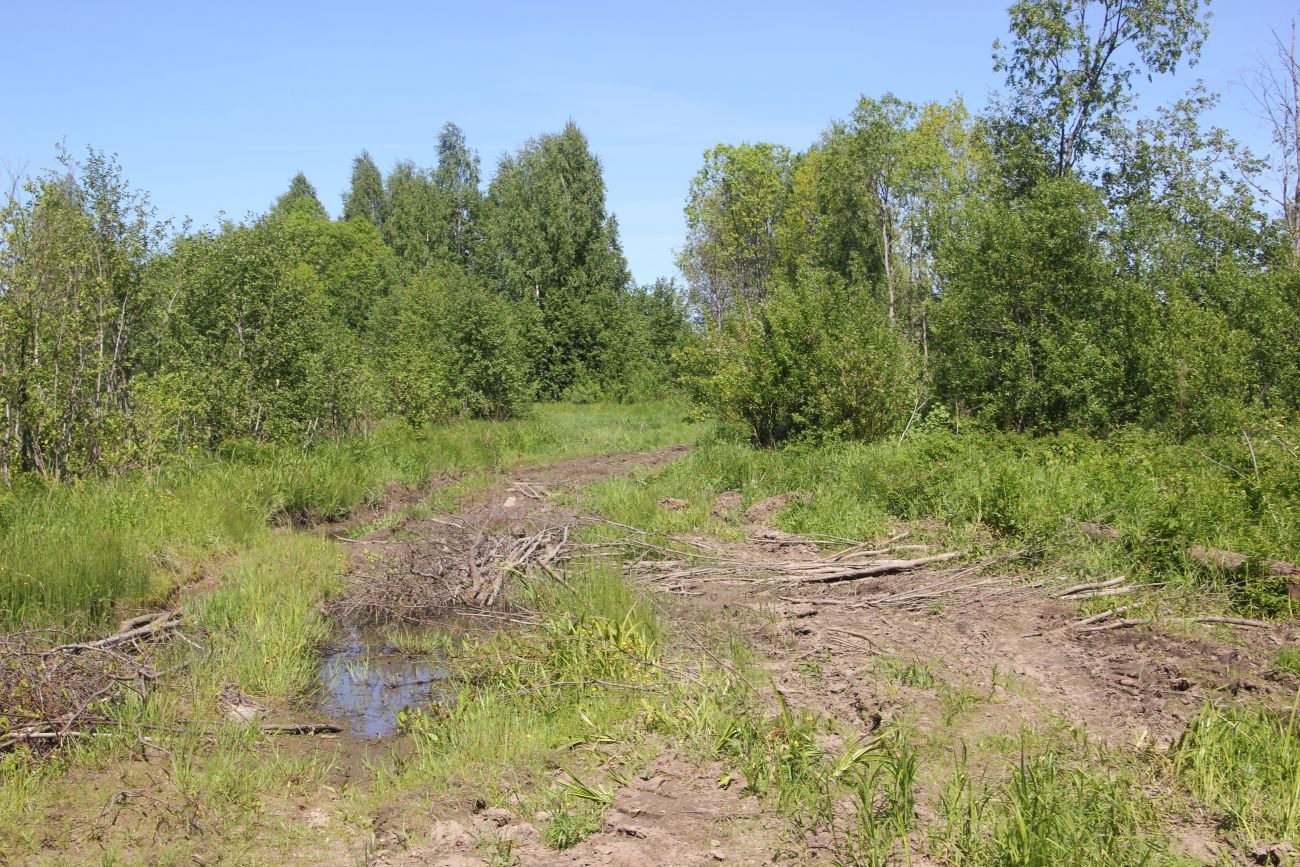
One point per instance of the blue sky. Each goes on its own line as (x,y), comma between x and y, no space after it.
(214,107)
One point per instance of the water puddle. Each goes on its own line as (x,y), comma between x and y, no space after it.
(365,683)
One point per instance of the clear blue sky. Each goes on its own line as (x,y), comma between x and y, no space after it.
(214,106)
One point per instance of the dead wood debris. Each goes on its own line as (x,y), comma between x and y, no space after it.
(667,560)
(682,564)
(1143,621)
(456,567)
(49,690)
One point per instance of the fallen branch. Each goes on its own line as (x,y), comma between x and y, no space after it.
(1142,621)
(1229,561)
(1096,585)
(299,728)
(882,567)
(1099,531)
(1111,591)
(9,739)
(163,622)
(1105,615)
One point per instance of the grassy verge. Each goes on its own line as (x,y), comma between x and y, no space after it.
(978,490)
(79,553)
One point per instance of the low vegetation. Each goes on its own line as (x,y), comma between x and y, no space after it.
(79,554)
(1021,493)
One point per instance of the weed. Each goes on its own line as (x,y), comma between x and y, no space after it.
(1051,811)
(567,828)
(1288,660)
(1244,763)
(956,700)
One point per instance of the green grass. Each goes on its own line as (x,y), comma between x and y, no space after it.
(1288,660)
(1055,809)
(77,554)
(1243,763)
(981,491)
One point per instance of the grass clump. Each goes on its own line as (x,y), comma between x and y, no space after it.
(1243,763)
(1052,811)
(1288,660)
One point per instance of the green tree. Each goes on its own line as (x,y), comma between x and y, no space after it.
(76,318)
(457,180)
(248,342)
(653,329)
(412,226)
(871,199)
(1070,66)
(1034,330)
(1181,219)
(1200,371)
(349,258)
(300,197)
(365,198)
(733,211)
(446,346)
(550,244)
(815,360)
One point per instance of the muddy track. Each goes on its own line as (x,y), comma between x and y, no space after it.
(828,648)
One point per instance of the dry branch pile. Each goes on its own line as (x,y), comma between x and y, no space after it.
(49,691)
(673,563)
(452,566)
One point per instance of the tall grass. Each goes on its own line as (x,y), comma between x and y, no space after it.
(1244,763)
(77,553)
(1053,810)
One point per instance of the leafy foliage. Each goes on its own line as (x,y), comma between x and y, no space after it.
(447,347)
(75,317)
(550,244)
(814,361)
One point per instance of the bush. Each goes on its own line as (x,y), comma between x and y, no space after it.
(815,361)
(1200,371)
(447,347)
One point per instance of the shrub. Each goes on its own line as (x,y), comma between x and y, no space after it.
(448,347)
(815,361)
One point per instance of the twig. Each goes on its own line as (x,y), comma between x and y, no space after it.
(1095,585)
(1105,615)
(1142,621)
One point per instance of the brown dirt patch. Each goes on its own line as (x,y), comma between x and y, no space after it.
(1009,645)
(763,511)
(674,813)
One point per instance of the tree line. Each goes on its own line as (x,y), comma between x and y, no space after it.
(1055,262)
(123,342)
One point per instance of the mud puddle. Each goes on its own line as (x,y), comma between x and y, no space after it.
(365,683)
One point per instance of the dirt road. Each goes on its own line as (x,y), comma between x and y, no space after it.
(959,653)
